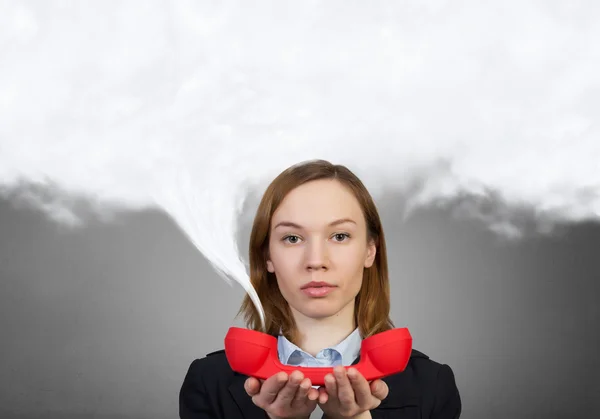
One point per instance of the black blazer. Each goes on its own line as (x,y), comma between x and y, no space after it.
(424,390)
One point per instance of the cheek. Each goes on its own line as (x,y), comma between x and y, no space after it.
(282,267)
(285,259)
(354,267)
(285,286)
(355,259)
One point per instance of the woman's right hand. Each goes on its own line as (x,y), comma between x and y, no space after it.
(282,396)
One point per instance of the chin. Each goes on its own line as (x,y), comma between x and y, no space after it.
(319,309)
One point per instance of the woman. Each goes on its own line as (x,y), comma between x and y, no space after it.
(318,262)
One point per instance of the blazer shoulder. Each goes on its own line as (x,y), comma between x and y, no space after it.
(418,354)
(204,392)
(210,373)
(436,383)
(213,362)
(425,367)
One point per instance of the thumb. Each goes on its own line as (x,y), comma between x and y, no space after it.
(379,389)
(252,386)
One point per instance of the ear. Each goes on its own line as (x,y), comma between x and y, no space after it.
(371,252)
(270,266)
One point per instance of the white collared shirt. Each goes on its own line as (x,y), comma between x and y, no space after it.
(344,353)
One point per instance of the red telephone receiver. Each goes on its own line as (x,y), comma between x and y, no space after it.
(254,353)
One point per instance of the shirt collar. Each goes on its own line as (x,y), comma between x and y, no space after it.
(349,348)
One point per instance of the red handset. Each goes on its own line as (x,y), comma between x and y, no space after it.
(254,353)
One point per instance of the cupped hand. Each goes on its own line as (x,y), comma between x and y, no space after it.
(347,394)
(282,396)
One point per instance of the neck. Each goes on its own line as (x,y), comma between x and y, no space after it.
(316,334)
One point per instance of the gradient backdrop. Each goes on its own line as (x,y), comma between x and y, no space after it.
(103,322)
(113,101)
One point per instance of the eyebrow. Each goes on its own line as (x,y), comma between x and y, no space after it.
(294,225)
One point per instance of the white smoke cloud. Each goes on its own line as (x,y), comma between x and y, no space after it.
(186,106)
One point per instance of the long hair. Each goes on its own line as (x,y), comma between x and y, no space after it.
(372,304)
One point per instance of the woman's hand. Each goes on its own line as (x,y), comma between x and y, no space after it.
(283,396)
(349,394)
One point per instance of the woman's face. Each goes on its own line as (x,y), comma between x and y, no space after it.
(319,236)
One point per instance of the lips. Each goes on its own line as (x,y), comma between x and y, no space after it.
(317,289)
(317,284)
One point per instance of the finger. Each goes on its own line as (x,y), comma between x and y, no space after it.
(330,390)
(379,389)
(301,396)
(323,393)
(252,386)
(271,387)
(360,386)
(331,385)
(313,393)
(288,392)
(345,392)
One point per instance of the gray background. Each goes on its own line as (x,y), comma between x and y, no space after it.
(103,322)
(486,98)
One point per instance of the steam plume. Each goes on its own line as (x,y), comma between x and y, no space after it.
(186,106)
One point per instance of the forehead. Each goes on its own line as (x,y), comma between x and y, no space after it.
(320,201)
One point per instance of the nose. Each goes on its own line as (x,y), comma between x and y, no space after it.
(316,256)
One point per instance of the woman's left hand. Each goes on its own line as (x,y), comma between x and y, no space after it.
(348,394)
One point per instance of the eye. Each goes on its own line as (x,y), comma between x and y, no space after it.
(341,236)
(294,239)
